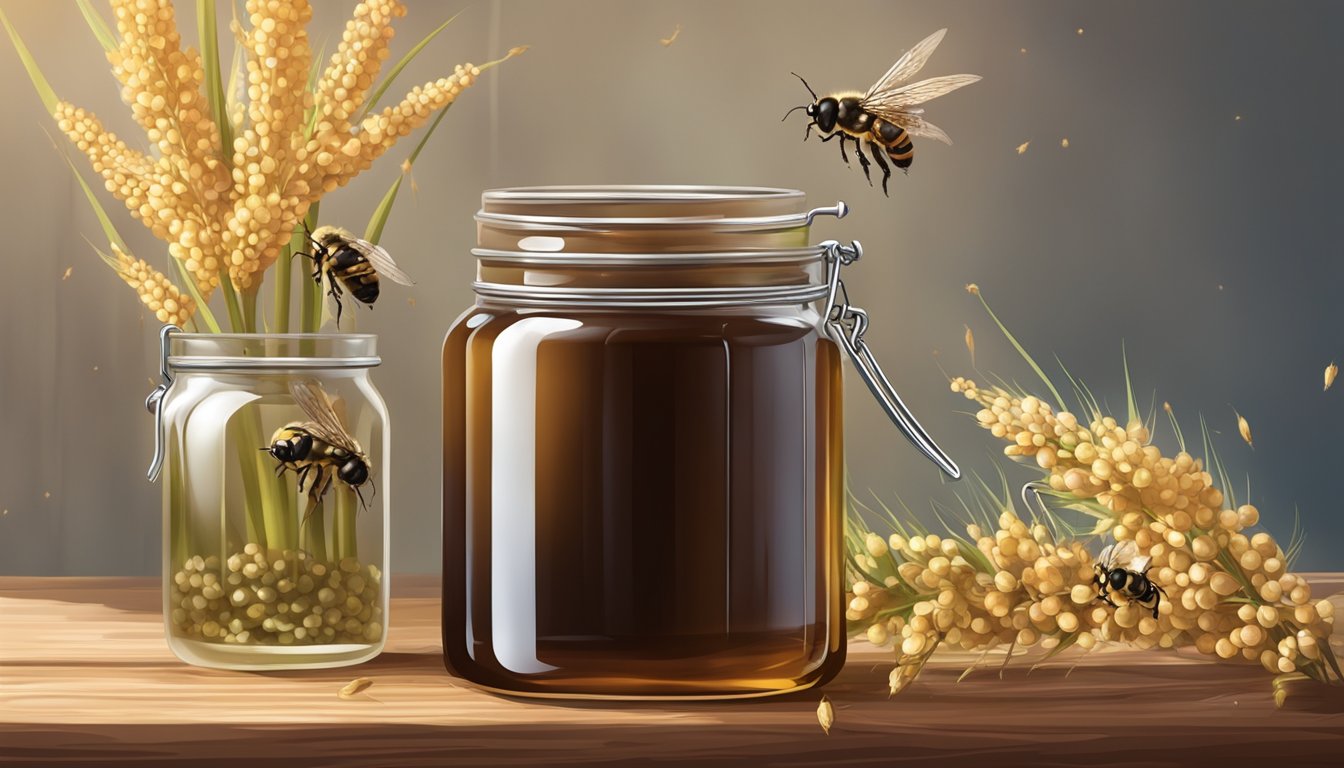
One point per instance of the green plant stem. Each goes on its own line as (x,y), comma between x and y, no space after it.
(315,533)
(236,323)
(178,525)
(275,508)
(346,511)
(249,297)
(245,429)
(284,270)
(206,23)
(310,309)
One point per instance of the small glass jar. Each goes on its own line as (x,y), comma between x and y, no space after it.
(643,456)
(274,451)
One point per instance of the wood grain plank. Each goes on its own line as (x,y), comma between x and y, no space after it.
(86,677)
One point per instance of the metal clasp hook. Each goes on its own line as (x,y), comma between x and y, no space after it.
(846,324)
(840,210)
(154,403)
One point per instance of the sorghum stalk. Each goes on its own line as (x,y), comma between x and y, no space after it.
(315,534)
(346,510)
(310,297)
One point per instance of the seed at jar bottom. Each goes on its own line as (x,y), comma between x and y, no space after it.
(280,597)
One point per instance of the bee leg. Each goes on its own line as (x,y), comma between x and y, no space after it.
(323,482)
(843,155)
(881,163)
(334,291)
(808,133)
(303,476)
(863,161)
(363,504)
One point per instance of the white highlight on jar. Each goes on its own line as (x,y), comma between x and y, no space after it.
(513,488)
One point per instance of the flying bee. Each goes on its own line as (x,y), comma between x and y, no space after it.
(888,115)
(345,259)
(1120,573)
(320,449)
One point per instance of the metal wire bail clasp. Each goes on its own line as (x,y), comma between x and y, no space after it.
(154,403)
(846,324)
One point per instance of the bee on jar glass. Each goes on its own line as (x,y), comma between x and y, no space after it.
(1118,573)
(320,449)
(887,115)
(344,259)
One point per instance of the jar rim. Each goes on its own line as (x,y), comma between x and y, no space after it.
(271,351)
(600,206)
(640,193)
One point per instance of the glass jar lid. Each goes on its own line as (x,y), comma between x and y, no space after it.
(649,246)
(270,351)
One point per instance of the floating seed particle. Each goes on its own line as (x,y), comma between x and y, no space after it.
(970,344)
(1244,428)
(68,270)
(1064,143)
(1237,119)
(1080,30)
(353,687)
(46,494)
(1022,148)
(1331,371)
(666,41)
(825,714)
(1023,50)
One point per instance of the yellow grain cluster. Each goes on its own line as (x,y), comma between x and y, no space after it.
(1033,590)
(268,199)
(230,210)
(155,290)
(1228,591)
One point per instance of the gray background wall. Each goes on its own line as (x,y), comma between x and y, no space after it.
(1209,246)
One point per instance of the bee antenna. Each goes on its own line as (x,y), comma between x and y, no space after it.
(790,112)
(805,85)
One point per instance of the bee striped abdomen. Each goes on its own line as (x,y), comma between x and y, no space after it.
(896,141)
(356,273)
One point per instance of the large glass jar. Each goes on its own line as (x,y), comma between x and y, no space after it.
(643,472)
(274,452)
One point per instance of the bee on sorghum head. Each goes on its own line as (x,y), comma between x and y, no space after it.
(887,115)
(1120,573)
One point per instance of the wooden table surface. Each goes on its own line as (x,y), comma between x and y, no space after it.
(86,678)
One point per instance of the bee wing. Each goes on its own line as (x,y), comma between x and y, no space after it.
(906,66)
(1123,554)
(1139,564)
(323,421)
(382,261)
(1104,559)
(913,123)
(917,93)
